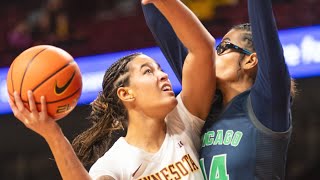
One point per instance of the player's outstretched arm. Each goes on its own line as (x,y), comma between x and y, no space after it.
(170,45)
(270,95)
(198,74)
(68,163)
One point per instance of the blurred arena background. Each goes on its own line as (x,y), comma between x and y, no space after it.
(86,28)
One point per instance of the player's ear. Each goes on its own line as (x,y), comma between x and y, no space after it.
(125,94)
(250,62)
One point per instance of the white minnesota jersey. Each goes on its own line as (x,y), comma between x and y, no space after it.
(176,159)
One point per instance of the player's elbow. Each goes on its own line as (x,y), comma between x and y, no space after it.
(206,48)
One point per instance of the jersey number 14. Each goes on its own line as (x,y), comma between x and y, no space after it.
(218,168)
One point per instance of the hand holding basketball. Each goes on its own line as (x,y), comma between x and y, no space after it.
(46,71)
(39,122)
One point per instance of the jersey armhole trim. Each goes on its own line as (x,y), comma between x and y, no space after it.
(253,118)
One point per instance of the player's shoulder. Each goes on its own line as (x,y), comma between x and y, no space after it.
(119,149)
(120,158)
(114,154)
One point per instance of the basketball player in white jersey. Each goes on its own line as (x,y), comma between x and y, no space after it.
(161,132)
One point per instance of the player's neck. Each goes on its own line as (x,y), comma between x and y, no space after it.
(232,90)
(146,133)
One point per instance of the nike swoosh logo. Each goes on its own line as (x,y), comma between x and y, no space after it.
(60,90)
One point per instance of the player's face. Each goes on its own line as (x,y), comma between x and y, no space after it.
(228,58)
(150,86)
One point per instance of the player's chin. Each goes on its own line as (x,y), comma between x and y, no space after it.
(169,106)
(172,101)
(170,96)
(168,93)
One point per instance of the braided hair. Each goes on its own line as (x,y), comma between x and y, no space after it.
(246,36)
(109,116)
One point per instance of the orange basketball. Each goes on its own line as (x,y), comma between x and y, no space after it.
(46,71)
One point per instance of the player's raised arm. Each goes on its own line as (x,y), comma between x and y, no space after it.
(170,45)
(68,163)
(270,93)
(198,76)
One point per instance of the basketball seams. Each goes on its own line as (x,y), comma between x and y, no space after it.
(26,69)
(31,70)
(60,69)
(56,101)
(51,102)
